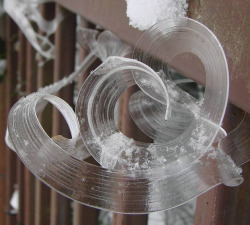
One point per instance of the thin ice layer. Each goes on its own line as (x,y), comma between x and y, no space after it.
(113,150)
(184,35)
(101,46)
(139,191)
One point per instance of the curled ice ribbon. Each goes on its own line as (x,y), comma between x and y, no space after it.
(100,45)
(23,12)
(134,177)
(135,190)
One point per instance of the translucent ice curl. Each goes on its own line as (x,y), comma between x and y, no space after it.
(139,177)
(100,45)
(172,37)
(23,12)
(136,191)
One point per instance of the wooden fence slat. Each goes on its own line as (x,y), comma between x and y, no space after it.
(231,24)
(21,73)
(11,96)
(2,151)
(120,219)
(44,78)
(2,130)
(29,178)
(224,205)
(84,215)
(64,65)
(42,191)
(128,127)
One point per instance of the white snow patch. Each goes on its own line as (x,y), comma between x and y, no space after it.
(112,148)
(143,14)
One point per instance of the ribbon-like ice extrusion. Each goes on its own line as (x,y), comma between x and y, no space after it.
(100,46)
(136,177)
(127,191)
(176,36)
(23,12)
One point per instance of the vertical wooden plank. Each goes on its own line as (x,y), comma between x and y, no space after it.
(44,78)
(42,191)
(21,89)
(2,129)
(11,96)
(84,215)
(226,205)
(128,127)
(230,23)
(2,151)
(29,179)
(121,219)
(64,65)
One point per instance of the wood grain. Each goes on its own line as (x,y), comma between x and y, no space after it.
(29,178)
(63,66)
(21,75)
(84,215)
(44,78)
(128,127)
(11,96)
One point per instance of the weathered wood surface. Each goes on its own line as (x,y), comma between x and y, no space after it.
(84,215)
(229,21)
(29,178)
(2,152)
(63,66)
(11,97)
(128,127)
(21,73)
(2,132)
(44,77)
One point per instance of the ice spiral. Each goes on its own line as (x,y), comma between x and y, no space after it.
(136,177)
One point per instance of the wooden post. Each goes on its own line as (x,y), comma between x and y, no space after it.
(29,178)
(64,65)
(11,96)
(84,215)
(21,75)
(2,131)
(127,127)
(44,78)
